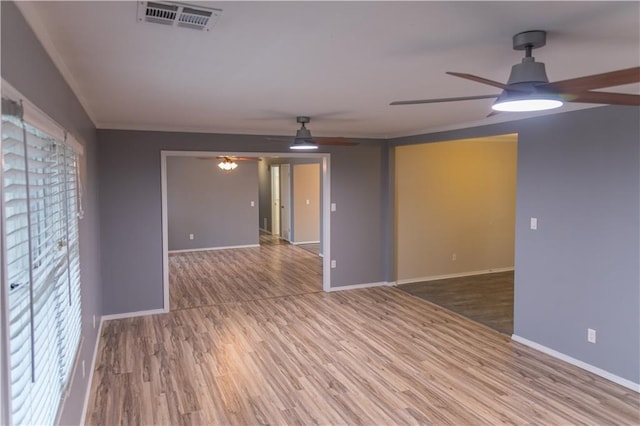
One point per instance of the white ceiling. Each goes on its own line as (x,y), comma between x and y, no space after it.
(339,62)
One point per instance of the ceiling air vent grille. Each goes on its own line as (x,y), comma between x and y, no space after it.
(178,14)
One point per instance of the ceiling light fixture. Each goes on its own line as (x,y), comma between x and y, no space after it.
(521,94)
(522,102)
(227,164)
(303,140)
(303,144)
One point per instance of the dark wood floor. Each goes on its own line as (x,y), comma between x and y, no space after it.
(312,247)
(487,298)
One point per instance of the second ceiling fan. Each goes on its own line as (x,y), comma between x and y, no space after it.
(229,162)
(304,141)
(529,89)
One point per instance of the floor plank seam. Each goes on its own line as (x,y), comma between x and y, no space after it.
(240,302)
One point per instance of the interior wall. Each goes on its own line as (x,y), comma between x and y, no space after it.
(28,68)
(264,195)
(579,175)
(306,203)
(131,217)
(455,207)
(213,205)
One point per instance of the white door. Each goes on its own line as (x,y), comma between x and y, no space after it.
(275,200)
(285,202)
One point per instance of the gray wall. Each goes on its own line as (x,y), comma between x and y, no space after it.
(212,204)
(130,205)
(579,174)
(264,194)
(27,67)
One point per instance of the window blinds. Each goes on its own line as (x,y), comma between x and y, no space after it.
(41,263)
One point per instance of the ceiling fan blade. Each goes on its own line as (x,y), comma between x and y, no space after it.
(334,141)
(245,159)
(434,101)
(478,79)
(596,81)
(603,98)
(278,138)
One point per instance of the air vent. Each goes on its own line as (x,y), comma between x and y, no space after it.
(178,14)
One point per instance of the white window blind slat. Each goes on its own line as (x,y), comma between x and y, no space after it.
(42,263)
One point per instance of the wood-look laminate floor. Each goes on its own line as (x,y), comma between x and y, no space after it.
(375,356)
(486,298)
(275,269)
(370,357)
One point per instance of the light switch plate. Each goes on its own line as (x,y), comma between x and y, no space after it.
(534,223)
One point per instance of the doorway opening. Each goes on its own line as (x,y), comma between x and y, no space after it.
(455,221)
(213,226)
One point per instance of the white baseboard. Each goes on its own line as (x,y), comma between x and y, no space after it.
(566,358)
(305,242)
(91,368)
(363,285)
(133,314)
(456,275)
(213,248)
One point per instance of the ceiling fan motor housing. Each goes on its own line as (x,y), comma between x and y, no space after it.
(528,71)
(303,133)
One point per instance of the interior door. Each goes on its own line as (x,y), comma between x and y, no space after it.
(275,200)
(285,202)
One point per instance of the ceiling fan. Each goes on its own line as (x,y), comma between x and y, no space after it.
(228,162)
(304,141)
(529,89)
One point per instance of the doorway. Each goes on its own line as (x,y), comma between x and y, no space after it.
(323,269)
(455,221)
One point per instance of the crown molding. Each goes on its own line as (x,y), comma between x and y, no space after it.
(32,16)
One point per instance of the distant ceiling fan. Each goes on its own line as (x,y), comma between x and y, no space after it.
(304,141)
(529,89)
(228,162)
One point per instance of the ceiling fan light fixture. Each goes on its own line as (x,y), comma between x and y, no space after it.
(526,102)
(227,165)
(303,145)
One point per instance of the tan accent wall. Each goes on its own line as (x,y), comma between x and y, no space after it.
(306,203)
(457,199)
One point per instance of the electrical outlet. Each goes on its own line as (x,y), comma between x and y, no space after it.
(253,204)
(591,335)
(333,264)
(333,207)
(454,257)
(534,223)
(191,236)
